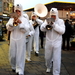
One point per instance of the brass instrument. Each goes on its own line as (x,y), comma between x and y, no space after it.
(41,11)
(35,24)
(15,16)
(50,22)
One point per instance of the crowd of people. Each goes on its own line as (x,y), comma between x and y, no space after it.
(25,36)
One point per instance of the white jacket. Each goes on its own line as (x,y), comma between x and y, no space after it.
(37,28)
(56,32)
(18,31)
(58,27)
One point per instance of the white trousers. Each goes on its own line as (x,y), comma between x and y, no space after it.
(53,53)
(36,43)
(29,48)
(17,55)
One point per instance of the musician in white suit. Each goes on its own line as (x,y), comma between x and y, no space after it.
(36,22)
(53,42)
(17,48)
(29,34)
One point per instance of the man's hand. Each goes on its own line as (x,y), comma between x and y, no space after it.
(19,21)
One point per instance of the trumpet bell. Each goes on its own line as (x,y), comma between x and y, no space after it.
(48,27)
(50,22)
(41,10)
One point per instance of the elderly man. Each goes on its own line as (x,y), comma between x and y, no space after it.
(53,41)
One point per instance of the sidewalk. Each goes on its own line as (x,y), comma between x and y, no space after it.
(37,65)
(68,60)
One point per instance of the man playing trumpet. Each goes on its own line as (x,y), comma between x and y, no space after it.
(16,20)
(17,48)
(53,42)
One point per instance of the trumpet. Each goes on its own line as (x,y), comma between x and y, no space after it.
(35,24)
(15,16)
(50,22)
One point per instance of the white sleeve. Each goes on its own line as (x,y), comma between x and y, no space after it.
(32,31)
(43,26)
(9,25)
(24,26)
(60,27)
(39,21)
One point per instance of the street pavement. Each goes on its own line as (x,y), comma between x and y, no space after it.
(37,65)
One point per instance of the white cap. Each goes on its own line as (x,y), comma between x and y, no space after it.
(18,7)
(53,11)
(34,14)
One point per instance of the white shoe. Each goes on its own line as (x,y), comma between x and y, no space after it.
(28,60)
(48,70)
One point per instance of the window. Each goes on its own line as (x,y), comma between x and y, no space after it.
(0,0)
(0,4)
(0,9)
(8,0)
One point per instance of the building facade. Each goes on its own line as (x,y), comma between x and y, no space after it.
(6,7)
(64,9)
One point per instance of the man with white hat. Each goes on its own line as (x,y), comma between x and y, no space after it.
(17,41)
(36,22)
(53,42)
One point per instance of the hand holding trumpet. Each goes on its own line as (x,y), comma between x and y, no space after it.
(50,23)
(19,21)
(16,20)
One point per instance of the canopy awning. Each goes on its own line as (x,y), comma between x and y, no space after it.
(59,5)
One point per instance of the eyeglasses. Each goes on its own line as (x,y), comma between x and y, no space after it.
(33,16)
(18,11)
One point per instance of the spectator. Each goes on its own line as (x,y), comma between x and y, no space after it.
(67,35)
